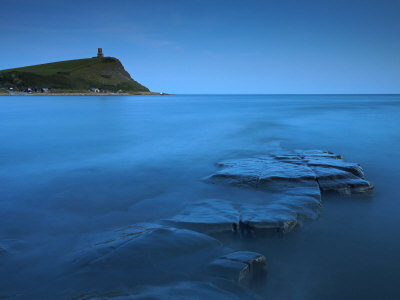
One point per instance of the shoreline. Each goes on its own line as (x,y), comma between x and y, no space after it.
(85,94)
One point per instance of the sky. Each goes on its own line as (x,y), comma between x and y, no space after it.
(218,46)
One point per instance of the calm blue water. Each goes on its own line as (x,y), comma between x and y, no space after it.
(73,166)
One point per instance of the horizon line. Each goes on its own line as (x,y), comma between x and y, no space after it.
(292,94)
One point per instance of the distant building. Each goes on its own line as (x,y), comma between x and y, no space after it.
(100,52)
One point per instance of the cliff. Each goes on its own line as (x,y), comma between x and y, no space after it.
(104,73)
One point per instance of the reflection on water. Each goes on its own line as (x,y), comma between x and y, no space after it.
(72,167)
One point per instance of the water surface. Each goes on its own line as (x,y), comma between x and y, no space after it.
(75,166)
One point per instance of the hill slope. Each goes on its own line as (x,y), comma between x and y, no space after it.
(81,74)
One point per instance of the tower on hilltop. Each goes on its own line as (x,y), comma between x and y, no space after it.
(100,52)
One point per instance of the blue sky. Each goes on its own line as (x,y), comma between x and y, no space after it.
(201,46)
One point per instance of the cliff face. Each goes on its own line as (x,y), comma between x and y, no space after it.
(99,72)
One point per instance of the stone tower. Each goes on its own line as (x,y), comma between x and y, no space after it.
(100,52)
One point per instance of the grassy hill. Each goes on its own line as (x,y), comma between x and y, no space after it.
(81,74)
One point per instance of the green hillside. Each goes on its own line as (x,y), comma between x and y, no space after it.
(81,74)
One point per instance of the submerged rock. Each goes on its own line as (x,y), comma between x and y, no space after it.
(145,248)
(211,215)
(248,219)
(241,266)
(181,290)
(12,246)
(139,255)
(175,262)
(196,290)
(274,172)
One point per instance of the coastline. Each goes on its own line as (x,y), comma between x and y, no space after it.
(85,94)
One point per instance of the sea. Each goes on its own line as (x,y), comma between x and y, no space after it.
(74,167)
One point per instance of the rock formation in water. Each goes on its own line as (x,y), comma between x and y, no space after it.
(177,260)
(166,257)
(292,183)
(240,266)
(269,172)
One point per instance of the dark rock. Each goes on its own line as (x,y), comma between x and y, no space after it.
(294,182)
(241,266)
(279,212)
(211,215)
(274,172)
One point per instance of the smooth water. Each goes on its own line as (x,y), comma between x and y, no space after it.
(74,166)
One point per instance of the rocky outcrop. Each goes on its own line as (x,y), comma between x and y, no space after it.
(276,172)
(293,183)
(241,266)
(248,219)
(77,75)
(177,260)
